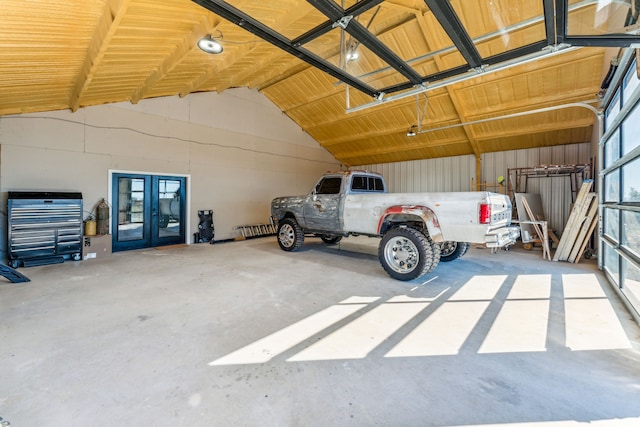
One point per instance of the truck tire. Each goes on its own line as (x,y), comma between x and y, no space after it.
(435,248)
(453,250)
(405,253)
(290,235)
(330,239)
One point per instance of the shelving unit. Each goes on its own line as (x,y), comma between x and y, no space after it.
(518,178)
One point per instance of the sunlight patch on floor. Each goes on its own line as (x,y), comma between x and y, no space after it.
(517,322)
(358,338)
(270,346)
(590,320)
(479,288)
(443,332)
(521,324)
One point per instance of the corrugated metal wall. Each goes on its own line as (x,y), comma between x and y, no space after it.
(555,191)
(444,174)
(458,174)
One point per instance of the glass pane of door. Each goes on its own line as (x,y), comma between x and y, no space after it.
(131,209)
(169,193)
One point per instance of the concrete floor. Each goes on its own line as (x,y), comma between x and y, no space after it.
(244,334)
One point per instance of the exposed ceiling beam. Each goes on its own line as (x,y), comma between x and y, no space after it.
(112,13)
(279,78)
(171,61)
(414,144)
(335,13)
(264,59)
(250,24)
(193,85)
(327,26)
(427,34)
(448,19)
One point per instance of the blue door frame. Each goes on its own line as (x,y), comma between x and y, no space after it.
(147,211)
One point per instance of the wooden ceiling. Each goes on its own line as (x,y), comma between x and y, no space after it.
(61,54)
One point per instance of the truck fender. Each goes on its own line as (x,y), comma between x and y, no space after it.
(409,213)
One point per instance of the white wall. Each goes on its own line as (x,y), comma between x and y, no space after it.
(238,149)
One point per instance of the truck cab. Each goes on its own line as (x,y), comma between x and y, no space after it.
(323,209)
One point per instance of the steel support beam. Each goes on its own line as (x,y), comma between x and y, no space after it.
(561,20)
(243,20)
(448,19)
(549,21)
(355,10)
(335,13)
(607,40)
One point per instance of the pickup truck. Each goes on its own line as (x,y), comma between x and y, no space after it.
(418,230)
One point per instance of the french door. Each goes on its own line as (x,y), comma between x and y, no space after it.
(147,211)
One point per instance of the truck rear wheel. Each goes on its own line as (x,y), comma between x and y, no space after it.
(405,253)
(435,248)
(453,250)
(330,239)
(290,235)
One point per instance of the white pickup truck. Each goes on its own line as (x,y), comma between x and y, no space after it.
(418,230)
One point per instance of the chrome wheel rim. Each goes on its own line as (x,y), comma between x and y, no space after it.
(448,248)
(401,255)
(287,235)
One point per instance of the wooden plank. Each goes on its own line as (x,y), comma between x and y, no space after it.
(575,219)
(573,233)
(585,233)
(542,233)
(535,205)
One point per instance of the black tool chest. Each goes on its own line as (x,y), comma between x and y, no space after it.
(43,227)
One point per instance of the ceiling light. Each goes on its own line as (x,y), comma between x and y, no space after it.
(210,45)
(412,131)
(352,55)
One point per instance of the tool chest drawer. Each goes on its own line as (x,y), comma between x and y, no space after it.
(43,227)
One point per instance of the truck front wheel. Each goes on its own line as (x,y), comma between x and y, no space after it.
(405,253)
(290,235)
(453,250)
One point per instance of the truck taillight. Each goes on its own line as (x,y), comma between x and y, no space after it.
(485,213)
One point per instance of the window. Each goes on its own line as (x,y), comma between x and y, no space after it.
(612,187)
(611,263)
(631,232)
(612,149)
(631,279)
(630,82)
(631,181)
(359,183)
(366,183)
(612,224)
(631,131)
(612,111)
(620,245)
(329,185)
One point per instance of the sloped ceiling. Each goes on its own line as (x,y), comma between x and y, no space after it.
(60,54)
